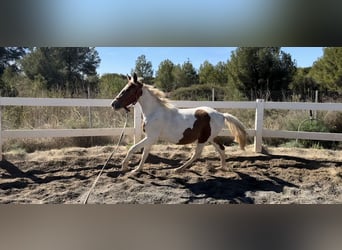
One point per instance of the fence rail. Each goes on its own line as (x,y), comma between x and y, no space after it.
(258,132)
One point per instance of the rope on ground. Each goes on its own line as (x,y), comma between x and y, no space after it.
(116,148)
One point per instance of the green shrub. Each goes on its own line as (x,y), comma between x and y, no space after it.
(300,121)
(292,144)
(333,120)
(200,92)
(314,126)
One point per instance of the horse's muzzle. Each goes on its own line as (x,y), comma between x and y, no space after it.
(116,105)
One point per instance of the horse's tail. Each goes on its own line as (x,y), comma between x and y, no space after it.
(237,128)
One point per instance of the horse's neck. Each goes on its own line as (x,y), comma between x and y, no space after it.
(149,103)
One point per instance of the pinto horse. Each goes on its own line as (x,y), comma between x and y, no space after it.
(164,121)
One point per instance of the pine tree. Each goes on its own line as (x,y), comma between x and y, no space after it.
(261,72)
(165,76)
(327,70)
(189,74)
(143,68)
(69,69)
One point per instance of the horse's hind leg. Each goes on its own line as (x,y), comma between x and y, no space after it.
(220,149)
(197,153)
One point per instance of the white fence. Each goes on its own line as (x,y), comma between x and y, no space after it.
(258,132)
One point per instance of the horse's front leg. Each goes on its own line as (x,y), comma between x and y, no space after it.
(145,143)
(131,151)
(147,149)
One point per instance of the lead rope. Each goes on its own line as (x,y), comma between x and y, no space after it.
(116,148)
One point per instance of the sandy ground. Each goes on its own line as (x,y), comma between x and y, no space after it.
(281,175)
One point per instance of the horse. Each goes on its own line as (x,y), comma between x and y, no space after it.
(162,120)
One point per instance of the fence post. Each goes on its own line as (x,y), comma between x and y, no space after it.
(259,125)
(137,123)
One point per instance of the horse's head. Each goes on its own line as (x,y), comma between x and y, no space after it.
(129,95)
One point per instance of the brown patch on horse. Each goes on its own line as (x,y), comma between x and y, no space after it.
(200,131)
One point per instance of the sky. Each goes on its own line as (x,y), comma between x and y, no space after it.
(122,59)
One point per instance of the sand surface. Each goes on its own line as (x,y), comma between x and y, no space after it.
(281,175)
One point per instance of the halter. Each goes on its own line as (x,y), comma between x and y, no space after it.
(138,93)
(129,95)
(136,96)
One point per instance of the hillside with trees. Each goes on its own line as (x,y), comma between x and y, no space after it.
(247,74)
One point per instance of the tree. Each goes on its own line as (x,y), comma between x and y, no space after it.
(70,69)
(206,73)
(9,57)
(111,84)
(6,86)
(261,72)
(43,62)
(181,75)
(221,73)
(209,73)
(79,66)
(189,75)
(164,76)
(178,76)
(327,70)
(143,68)
(303,86)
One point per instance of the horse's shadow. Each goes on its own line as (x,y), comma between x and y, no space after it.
(170,163)
(21,179)
(233,190)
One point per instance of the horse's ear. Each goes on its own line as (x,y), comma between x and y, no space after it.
(135,78)
(128,77)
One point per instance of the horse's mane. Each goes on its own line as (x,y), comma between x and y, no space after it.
(159,95)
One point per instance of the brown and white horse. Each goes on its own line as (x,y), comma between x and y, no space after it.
(164,121)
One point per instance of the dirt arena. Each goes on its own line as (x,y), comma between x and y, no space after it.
(281,175)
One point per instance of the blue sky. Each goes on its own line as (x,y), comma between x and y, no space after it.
(122,59)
